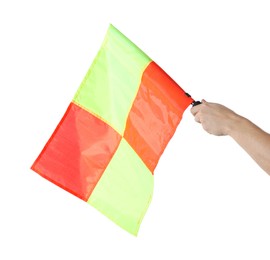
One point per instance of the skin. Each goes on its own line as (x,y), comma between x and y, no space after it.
(219,120)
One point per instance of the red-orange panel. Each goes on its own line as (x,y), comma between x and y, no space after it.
(155,114)
(78,152)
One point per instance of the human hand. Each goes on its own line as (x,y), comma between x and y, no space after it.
(216,119)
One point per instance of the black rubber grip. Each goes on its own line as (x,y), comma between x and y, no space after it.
(196,103)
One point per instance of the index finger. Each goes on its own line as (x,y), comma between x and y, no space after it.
(194,110)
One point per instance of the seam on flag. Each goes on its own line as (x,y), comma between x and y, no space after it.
(40,172)
(144,212)
(113,154)
(135,96)
(91,67)
(96,115)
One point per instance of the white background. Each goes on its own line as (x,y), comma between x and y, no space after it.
(211,201)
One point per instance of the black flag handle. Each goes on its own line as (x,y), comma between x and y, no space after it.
(194,103)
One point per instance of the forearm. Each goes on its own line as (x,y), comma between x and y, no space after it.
(253,140)
(218,120)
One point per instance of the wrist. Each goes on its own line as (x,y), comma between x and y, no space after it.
(235,124)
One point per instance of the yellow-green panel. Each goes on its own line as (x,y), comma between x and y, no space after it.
(110,86)
(125,189)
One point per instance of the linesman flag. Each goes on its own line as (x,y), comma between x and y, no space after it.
(110,139)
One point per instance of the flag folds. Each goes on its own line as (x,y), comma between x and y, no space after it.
(110,139)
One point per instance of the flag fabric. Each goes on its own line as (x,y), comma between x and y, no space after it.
(110,139)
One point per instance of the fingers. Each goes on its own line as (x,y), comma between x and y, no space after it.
(194,110)
(197,119)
